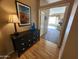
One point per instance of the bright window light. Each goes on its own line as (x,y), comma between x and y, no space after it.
(53,20)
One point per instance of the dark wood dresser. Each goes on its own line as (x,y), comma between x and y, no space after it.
(24,40)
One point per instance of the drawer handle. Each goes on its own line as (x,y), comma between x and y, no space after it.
(29,45)
(29,40)
(22,43)
(33,41)
(33,37)
(23,49)
(21,39)
(14,38)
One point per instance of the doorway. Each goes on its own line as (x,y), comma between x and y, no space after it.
(54,24)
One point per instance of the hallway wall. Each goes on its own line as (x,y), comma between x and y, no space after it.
(71,48)
(69,45)
(8,7)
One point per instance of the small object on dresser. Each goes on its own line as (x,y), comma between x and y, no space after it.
(32,27)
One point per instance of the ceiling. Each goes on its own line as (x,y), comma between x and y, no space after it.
(52,1)
(45,2)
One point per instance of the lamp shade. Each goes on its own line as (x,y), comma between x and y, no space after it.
(13,19)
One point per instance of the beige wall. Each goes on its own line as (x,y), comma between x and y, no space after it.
(43,2)
(71,50)
(7,7)
(70,35)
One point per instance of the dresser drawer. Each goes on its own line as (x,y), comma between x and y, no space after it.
(21,50)
(24,40)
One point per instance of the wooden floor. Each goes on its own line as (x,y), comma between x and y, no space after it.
(41,50)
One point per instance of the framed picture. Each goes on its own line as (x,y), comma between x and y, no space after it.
(24,13)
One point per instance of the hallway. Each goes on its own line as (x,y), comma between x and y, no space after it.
(52,35)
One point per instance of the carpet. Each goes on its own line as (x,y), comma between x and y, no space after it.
(52,35)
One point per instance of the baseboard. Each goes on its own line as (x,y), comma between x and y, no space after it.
(8,54)
(43,34)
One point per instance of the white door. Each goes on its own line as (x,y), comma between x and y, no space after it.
(42,24)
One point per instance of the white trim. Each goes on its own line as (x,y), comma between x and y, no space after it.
(8,54)
(68,28)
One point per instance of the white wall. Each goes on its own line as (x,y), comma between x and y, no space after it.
(43,22)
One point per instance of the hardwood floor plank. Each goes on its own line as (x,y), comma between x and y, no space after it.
(41,50)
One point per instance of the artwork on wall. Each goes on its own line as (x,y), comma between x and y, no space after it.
(24,13)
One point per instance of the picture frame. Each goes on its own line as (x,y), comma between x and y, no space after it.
(24,13)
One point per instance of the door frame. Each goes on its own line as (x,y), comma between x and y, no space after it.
(62,32)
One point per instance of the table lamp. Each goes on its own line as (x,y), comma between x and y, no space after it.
(14,19)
